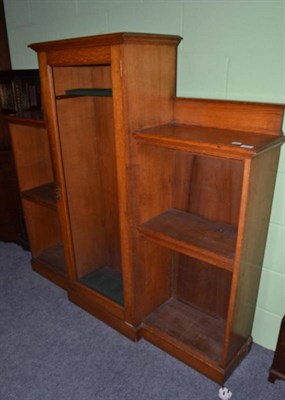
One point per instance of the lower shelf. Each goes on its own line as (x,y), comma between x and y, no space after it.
(44,194)
(51,264)
(193,337)
(186,327)
(107,282)
(209,241)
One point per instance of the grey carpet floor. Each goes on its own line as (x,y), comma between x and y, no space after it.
(50,349)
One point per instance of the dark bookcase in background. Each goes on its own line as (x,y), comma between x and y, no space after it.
(19,91)
(20,97)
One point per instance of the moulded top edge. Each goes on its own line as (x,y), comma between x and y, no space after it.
(107,40)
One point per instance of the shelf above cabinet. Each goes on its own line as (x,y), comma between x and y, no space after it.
(85,92)
(212,141)
(44,194)
(212,242)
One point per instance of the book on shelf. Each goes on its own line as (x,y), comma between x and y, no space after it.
(19,91)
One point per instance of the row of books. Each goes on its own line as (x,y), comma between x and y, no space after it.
(19,91)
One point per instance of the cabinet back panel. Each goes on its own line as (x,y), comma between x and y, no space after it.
(32,155)
(88,156)
(205,186)
(233,115)
(202,285)
(108,177)
(208,186)
(81,77)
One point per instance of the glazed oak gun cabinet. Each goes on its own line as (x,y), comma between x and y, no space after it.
(162,203)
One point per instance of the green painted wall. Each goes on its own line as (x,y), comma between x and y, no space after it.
(231,49)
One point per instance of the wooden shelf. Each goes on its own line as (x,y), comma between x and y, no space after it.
(85,92)
(44,194)
(205,140)
(53,258)
(51,264)
(28,118)
(187,328)
(107,282)
(212,242)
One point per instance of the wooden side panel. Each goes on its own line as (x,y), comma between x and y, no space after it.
(153,173)
(123,182)
(149,74)
(154,273)
(256,203)
(152,194)
(32,155)
(47,90)
(143,82)
(233,115)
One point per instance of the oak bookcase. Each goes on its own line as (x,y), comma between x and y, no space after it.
(202,224)
(163,203)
